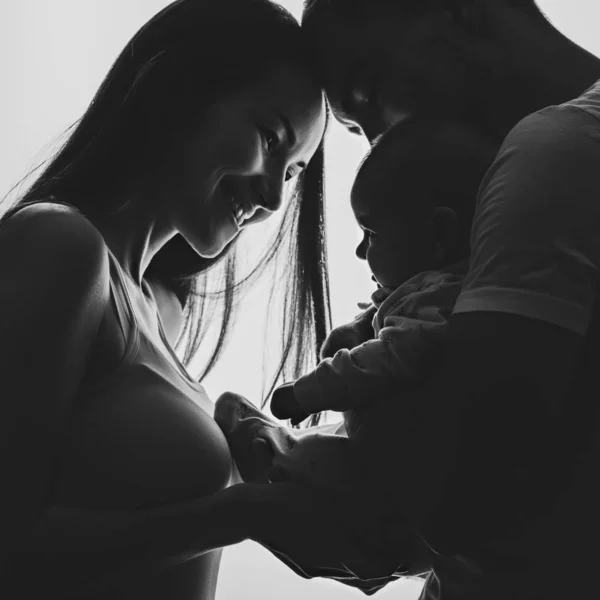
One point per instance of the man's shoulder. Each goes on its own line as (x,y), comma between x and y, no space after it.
(546,152)
(560,128)
(587,103)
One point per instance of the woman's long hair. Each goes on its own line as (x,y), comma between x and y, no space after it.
(186,58)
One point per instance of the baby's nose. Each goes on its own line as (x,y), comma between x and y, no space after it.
(361,249)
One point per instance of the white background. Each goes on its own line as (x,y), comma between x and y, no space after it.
(53,56)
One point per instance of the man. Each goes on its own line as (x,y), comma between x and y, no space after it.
(499,478)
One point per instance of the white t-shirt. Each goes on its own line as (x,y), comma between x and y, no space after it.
(536,253)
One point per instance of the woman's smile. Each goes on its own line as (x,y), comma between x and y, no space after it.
(241,211)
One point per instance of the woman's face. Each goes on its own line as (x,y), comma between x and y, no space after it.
(384,68)
(237,163)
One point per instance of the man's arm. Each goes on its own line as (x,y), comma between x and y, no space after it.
(504,417)
(497,431)
(490,435)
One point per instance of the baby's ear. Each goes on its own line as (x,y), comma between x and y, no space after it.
(446,226)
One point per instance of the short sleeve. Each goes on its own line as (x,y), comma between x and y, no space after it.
(535,241)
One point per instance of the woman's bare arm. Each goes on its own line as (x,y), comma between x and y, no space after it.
(81,549)
(54,285)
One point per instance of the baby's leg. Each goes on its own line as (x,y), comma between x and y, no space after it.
(262,447)
(315,458)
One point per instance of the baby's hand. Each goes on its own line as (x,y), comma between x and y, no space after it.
(284,405)
(351,335)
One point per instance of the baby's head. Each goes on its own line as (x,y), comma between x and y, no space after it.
(414,197)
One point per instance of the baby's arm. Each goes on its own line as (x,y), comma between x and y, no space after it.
(352,379)
(350,335)
(284,404)
(405,347)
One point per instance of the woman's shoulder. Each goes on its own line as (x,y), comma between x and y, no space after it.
(54,228)
(45,216)
(54,242)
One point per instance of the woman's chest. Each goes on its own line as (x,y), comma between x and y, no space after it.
(143,438)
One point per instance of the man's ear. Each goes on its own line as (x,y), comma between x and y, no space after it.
(446,226)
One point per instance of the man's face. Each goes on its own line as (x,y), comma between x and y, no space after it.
(382,68)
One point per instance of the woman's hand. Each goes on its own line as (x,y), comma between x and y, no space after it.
(80,550)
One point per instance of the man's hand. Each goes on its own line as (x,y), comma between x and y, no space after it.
(345,577)
(311,531)
(284,405)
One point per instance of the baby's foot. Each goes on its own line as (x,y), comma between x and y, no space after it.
(264,450)
(243,425)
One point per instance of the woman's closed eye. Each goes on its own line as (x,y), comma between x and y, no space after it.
(272,143)
(271,140)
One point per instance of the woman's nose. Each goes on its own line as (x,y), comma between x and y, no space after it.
(270,193)
(270,200)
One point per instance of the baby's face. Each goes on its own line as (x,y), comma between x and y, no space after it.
(397,242)
(406,194)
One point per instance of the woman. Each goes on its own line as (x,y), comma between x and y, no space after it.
(118,486)
(505,509)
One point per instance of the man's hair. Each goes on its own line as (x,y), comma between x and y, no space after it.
(319,12)
(408,152)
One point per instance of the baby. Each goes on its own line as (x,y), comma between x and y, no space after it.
(414,198)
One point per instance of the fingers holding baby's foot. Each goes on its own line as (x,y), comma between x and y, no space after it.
(231,409)
(264,450)
(243,423)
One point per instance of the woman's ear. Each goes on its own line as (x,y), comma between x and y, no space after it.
(446,227)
